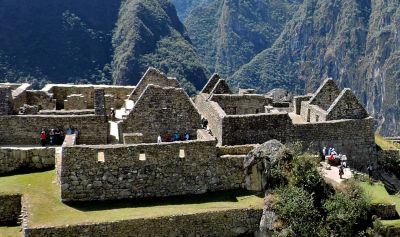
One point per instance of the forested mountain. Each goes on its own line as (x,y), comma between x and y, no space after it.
(229,33)
(58,40)
(184,7)
(77,41)
(149,33)
(354,42)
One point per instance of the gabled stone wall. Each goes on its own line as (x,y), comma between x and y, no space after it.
(154,77)
(146,170)
(160,110)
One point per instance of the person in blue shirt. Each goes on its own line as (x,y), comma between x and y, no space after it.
(187,136)
(176,136)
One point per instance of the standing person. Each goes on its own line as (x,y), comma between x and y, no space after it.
(62,136)
(159,140)
(52,135)
(176,136)
(187,136)
(341,171)
(324,153)
(43,138)
(370,169)
(112,114)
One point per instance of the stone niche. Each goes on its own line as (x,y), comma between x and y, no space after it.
(75,102)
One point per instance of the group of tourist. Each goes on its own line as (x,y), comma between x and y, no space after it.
(167,137)
(55,137)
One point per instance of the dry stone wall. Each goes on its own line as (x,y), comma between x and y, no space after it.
(211,111)
(25,129)
(10,208)
(146,170)
(160,110)
(255,129)
(241,104)
(227,223)
(354,138)
(6,105)
(60,93)
(15,159)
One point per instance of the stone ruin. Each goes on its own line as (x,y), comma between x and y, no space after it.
(119,157)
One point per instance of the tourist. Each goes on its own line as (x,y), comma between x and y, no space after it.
(70,131)
(52,135)
(76,132)
(329,151)
(43,138)
(323,154)
(370,169)
(62,136)
(204,122)
(57,138)
(333,152)
(159,140)
(176,136)
(341,171)
(187,136)
(167,137)
(112,114)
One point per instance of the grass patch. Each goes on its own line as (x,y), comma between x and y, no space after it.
(378,194)
(10,231)
(385,144)
(45,208)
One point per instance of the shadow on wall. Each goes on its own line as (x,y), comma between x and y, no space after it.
(229,196)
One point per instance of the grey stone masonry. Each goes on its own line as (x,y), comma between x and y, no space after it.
(228,223)
(146,170)
(6,101)
(10,208)
(99,101)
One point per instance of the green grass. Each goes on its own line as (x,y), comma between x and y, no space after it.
(378,194)
(44,207)
(385,144)
(10,231)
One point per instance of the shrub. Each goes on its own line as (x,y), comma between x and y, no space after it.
(296,208)
(347,211)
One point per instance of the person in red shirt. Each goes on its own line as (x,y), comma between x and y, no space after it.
(43,138)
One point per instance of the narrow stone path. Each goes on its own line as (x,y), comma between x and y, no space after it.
(333,173)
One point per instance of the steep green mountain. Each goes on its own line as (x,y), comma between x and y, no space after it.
(184,7)
(229,33)
(149,33)
(354,42)
(58,40)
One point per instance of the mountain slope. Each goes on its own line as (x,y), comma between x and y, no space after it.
(61,41)
(149,33)
(229,33)
(350,41)
(184,7)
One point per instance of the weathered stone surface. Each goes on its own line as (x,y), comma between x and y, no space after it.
(75,102)
(385,211)
(10,208)
(228,223)
(146,170)
(6,101)
(14,159)
(25,129)
(99,102)
(160,110)
(258,162)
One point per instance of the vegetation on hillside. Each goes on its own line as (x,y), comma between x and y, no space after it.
(354,42)
(58,41)
(149,33)
(306,205)
(229,33)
